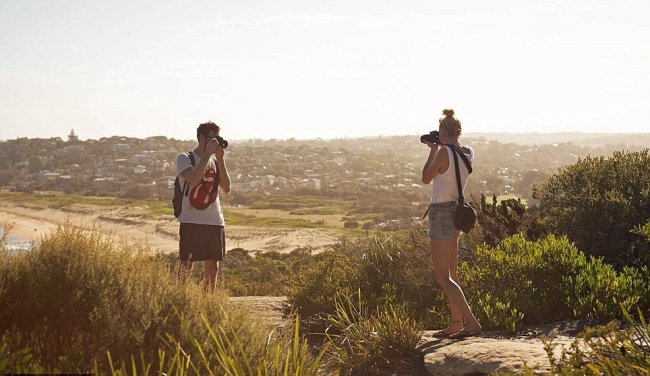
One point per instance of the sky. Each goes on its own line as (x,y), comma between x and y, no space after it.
(321,69)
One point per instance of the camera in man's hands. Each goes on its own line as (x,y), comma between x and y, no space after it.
(433,136)
(223,143)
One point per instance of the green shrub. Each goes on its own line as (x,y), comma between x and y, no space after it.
(516,283)
(532,282)
(597,201)
(387,269)
(379,342)
(500,219)
(598,291)
(265,274)
(524,275)
(607,350)
(313,289)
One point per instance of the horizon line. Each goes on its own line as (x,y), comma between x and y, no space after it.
(469,134)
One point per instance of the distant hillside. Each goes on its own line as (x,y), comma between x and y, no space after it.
(593,140)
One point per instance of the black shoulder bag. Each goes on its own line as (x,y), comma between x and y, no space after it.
(465,218)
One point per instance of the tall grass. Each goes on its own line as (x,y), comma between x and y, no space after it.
(606,350)
(225,353)
(376,342)
(78,296)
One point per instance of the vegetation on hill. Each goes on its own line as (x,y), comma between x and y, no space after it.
(373,181)
(582,253)
(77,303)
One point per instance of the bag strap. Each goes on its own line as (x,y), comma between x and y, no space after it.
(193,162)
(468,164)
(461,199)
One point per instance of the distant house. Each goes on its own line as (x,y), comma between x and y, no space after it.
(121,148)
(142,158)
(310,183)
(50,176)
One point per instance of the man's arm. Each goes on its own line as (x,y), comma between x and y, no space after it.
(224,177)
(193,176)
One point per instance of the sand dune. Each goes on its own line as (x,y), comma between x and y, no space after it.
(31,222)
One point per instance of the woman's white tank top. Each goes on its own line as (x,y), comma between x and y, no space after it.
(444,185)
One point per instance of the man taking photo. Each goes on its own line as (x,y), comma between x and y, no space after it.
(201,174)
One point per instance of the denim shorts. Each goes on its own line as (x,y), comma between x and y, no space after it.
(441,220)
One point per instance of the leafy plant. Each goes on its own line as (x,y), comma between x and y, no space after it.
(597,201)
(608,350)
(379,342)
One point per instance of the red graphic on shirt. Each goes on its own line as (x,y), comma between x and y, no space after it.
(204,194)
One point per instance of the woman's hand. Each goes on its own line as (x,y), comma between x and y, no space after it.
(432,145)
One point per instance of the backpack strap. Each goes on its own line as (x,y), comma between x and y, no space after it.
(190,155)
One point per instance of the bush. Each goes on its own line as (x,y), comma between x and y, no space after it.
(597,201)
(313,289)
(139,191)
(77,295)
(518,282)
(606,350)
(393,269)
(265,274)
(379,342)
(351,224)
(533,282)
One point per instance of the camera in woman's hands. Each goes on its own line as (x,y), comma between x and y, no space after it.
(433,137)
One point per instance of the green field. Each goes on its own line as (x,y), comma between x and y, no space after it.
(299,215)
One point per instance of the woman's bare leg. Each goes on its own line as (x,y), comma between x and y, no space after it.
(441,255)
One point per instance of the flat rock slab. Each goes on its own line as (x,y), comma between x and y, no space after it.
(268,309)
(484,356)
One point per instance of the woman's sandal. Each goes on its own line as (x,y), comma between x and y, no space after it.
(464,334)
(442,333)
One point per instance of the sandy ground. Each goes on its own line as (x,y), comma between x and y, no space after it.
(32,222)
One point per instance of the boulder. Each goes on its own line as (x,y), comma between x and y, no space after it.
(483,355)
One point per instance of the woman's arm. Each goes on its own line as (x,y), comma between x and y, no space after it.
(434,162)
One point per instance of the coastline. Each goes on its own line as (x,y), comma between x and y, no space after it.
(29,223)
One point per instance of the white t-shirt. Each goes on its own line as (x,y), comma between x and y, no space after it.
(445,188)
(212,214)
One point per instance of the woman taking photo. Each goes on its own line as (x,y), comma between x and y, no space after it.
(440,169)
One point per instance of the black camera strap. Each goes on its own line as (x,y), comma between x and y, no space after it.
(468,164)
(461,198)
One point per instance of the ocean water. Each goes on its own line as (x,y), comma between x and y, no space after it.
(15,245)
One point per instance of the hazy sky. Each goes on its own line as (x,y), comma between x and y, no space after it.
(306,69)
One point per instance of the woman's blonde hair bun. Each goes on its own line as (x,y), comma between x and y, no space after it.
(448,112)
(449,123)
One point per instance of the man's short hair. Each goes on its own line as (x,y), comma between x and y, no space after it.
(205,128)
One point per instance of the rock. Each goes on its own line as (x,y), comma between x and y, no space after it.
(483,356)
(268,309)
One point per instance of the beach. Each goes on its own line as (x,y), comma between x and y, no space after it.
(30,222)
